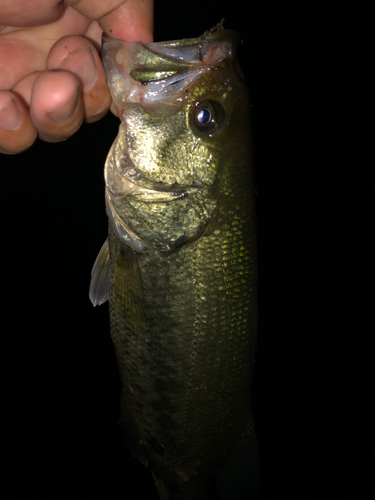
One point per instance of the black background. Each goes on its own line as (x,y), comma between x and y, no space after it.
(309,78)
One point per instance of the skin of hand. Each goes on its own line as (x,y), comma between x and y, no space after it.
(51,74)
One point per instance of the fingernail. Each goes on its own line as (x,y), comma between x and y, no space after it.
(82,64)
(65,111)
(10,116)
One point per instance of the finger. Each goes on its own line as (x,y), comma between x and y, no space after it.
(56,106)
(17,131)
(129,20)
(133,21)
(35,13)
(78,55)
(25,51)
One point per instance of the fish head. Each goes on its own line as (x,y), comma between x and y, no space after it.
(183,107)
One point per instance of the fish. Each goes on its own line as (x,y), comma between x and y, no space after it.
(179,266)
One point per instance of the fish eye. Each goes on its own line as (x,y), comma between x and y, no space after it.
(205,117)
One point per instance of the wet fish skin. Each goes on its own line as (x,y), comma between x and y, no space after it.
(181,264)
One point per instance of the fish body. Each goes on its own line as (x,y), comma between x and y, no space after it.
(179,266)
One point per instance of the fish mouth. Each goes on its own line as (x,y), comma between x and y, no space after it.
(161,71)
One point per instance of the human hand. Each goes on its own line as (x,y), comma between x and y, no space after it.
(51,75)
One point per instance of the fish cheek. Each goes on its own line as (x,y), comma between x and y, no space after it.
(156,145)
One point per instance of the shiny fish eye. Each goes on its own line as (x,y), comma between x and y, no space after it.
(205,117)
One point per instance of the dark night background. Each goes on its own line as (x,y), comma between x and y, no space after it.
(313,130)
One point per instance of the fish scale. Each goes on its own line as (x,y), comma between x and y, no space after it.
(190,399)
(180,270)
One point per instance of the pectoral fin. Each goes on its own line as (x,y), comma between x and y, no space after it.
(99,286)
(128,299)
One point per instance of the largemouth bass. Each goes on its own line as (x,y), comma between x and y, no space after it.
(179,265)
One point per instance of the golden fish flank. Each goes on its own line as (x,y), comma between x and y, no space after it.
(179,268)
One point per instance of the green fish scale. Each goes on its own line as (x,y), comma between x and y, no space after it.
(187,374)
